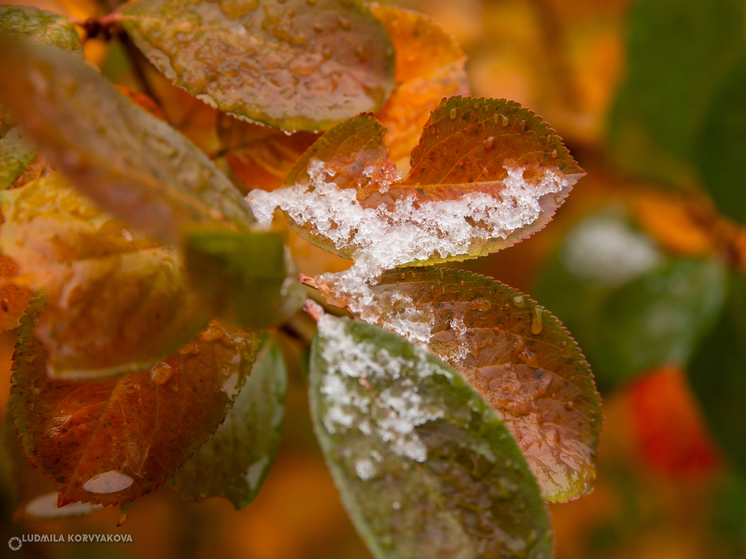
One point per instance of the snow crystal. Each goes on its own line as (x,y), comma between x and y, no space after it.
(610,251)
(400,407)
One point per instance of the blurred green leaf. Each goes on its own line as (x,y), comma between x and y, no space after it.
(131,163)
(236,459)
(717,373)
(247,278)
(721,148)
(513,352)
(677,51)
(294,64)
(424,466)
(16,154)
(630,307)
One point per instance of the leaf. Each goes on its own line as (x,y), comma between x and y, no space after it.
(119,301)
(35,497)
(514,353)
(236,459)
(485,174)
(13,298)
(657,115)
(429,67)
(247,278)
(295,64)
(424,466)
(722,144)
(41,27)
(128,161)
(717,377)
(109,442)
(16,153)
(630,307)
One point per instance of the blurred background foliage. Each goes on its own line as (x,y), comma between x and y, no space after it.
(644,265)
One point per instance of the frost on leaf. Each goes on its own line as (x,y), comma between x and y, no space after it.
(486,174)
(295,64)
(118,301)
(131,163)
(235,460)
(424,466)
(111,441)
(429,67)
(512,351)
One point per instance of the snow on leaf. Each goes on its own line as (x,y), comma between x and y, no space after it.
(424,466)
(119,301)
(486,174)
(131,163)
(429,67)
(511,350)
(235,460)
(111,441)
(293,64)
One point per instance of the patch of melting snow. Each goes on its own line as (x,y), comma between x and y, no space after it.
(399,407)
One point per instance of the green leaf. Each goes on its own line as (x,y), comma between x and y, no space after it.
(295,64)
(236,459)
(716,373)
(423,465)
(41,27)
(247,278)
(630,307)
(486,174)
(131,163)
(119,301)
(722,144)
(677,51)
(16,153)
(512,351)
(111,441)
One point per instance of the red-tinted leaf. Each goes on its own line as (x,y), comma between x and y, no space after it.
(13,298)
(486,174)
(512,351)
(429,67)
(112,441)
(293,64)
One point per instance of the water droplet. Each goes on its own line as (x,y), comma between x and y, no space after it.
(396,505)
(161,372)
(505,121)
(564,343)
(523,124)
(537,323)
(489,143)
(344,24)
(453,114)
(557,199)
(518,301)
(554,154)
(108,482)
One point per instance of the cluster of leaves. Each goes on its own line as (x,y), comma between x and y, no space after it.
(154,285)
(661,282)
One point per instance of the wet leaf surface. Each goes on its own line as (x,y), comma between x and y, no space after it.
(109,442)
(248,279)
(429,67)
(236,459)
(40,26)
(716,375)
(295,64)
(119,301)
(128,161)
(631,307)
(424,466)
(517,355)
(486,174)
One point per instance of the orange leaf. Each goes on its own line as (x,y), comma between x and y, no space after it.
(429,65)
(112,441)
(13,298)
(512,351)
(143,101)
